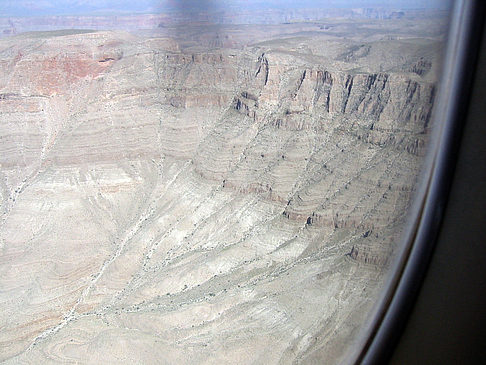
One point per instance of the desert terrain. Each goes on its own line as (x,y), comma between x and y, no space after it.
(206,194)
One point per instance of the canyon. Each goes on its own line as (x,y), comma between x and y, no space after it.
(225,194)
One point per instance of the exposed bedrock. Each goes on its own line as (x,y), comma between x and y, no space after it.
(228,206)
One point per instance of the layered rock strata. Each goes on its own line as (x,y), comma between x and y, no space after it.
(227,206)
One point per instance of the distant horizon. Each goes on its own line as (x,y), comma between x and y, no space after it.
(28,8)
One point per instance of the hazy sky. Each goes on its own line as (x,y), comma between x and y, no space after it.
(53,7)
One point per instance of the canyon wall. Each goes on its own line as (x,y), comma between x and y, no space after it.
(226,206)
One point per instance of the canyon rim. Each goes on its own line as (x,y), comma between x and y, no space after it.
(217,194)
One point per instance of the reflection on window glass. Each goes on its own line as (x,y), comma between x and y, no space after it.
(189,182)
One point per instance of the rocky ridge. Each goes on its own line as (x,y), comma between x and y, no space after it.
(200,207)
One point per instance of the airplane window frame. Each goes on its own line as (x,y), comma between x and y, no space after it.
(382,332)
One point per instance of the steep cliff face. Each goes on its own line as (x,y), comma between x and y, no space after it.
(381,108)
(197,206)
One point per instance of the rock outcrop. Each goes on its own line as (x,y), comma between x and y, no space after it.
(226,206)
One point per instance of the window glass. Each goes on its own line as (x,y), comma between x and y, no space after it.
(189,182)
